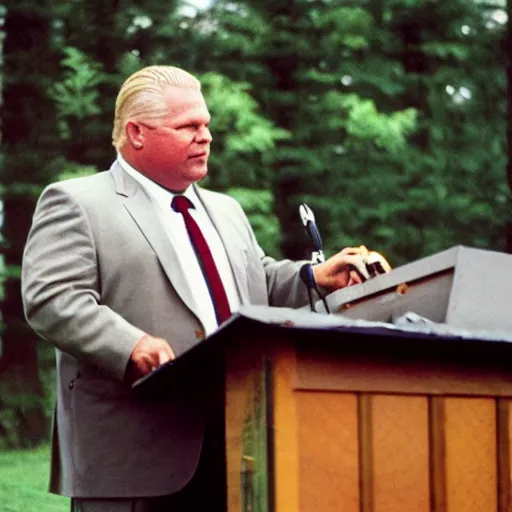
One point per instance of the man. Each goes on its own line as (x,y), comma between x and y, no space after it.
(115,277)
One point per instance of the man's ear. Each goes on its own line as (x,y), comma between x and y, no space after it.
(134,134)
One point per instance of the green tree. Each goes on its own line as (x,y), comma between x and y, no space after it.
(397,132)
(455,169)
(295,56)
(28,147)
(239,162)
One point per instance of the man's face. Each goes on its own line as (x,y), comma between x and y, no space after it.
(174,150)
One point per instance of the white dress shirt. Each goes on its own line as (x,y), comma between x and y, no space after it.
(174,226)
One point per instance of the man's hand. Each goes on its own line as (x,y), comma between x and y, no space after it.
(148,354)
(345,268)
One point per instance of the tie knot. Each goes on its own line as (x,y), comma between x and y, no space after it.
(181,204)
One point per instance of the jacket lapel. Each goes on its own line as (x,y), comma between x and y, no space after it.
(220,218)
(144,213)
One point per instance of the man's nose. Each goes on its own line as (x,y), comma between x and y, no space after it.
(204,135)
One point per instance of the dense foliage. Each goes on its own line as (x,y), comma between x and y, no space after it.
(397,116)
(388,117)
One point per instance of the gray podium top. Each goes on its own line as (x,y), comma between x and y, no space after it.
(254,323)
(461,287)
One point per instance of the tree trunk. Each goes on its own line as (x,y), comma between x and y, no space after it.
(288,187)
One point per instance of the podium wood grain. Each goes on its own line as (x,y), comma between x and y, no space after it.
(354,433)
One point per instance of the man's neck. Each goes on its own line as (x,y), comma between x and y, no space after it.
(126,164)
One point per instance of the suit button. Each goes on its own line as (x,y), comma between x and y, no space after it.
(71,384)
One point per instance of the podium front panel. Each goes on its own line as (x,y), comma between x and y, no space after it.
(349,431)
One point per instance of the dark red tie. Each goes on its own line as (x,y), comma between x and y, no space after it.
(182,204)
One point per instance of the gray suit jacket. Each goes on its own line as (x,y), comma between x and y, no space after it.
(98,273)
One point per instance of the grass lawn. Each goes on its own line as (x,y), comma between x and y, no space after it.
(24,482)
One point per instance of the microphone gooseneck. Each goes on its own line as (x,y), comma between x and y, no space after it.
(308,278)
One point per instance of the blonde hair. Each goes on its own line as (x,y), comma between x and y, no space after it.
(141,97)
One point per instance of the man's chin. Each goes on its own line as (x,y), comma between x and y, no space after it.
(199,173)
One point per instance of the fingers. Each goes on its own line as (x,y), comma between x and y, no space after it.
(357,257)
(354,278)
(157,353)
(366,261)
(357,261)
(148,354)
(142,367)
(165,356)
(346,268)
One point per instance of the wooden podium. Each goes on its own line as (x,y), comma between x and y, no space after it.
(324,414)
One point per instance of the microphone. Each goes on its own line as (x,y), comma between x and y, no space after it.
(317,256)
(308,221)
(308,278)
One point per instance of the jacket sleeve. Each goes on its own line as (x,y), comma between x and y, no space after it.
(61,287)
(284,285)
